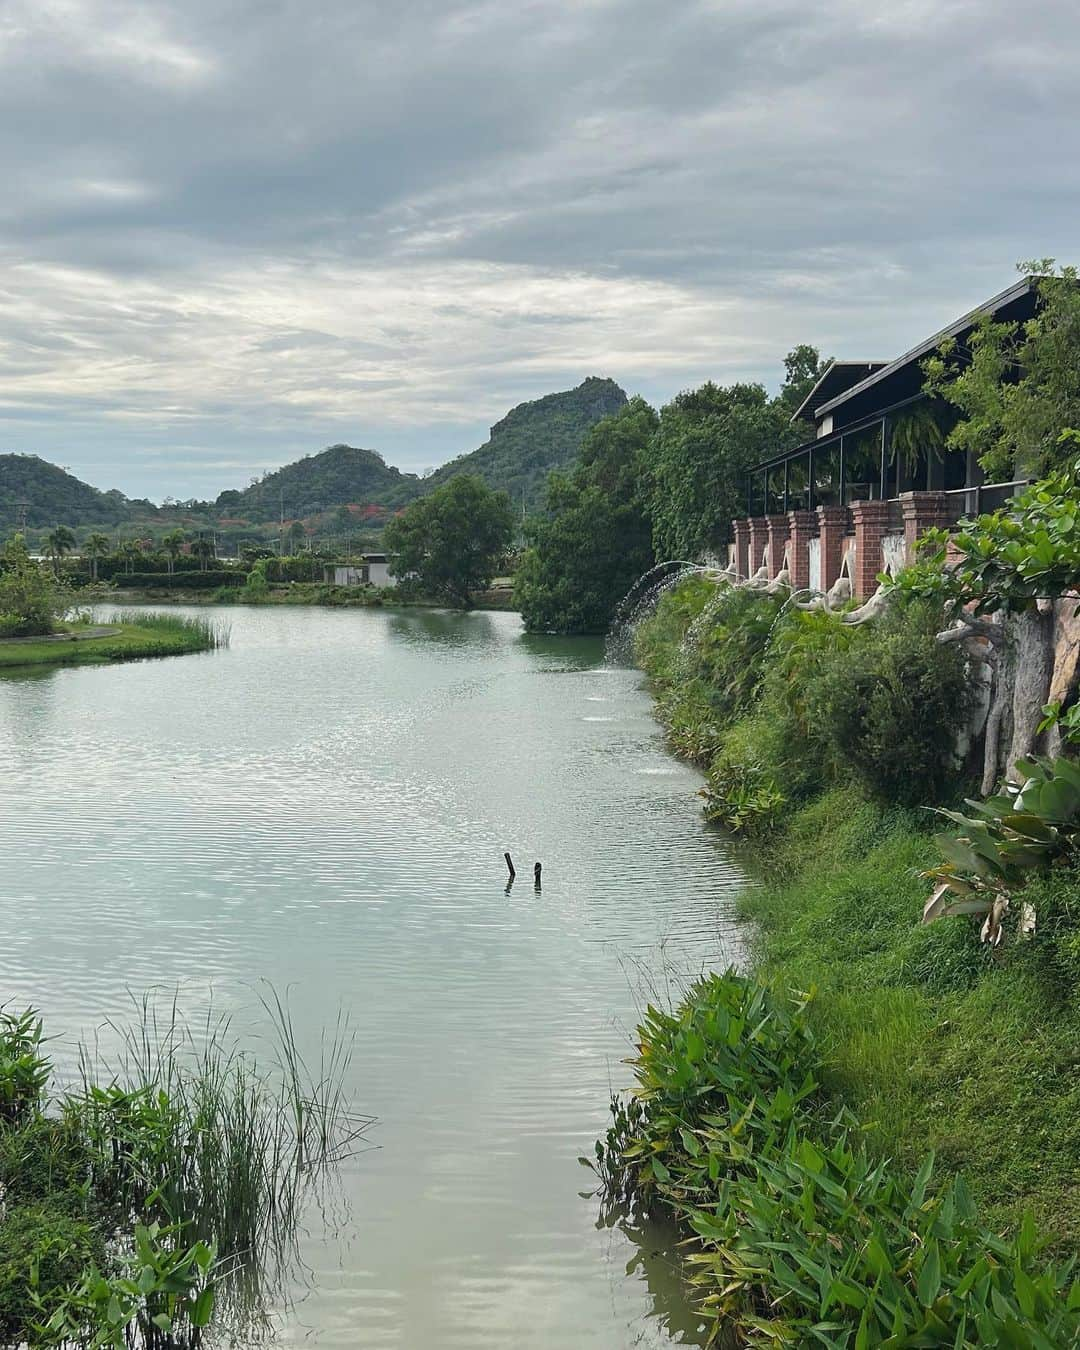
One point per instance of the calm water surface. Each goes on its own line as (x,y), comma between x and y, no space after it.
(325,806)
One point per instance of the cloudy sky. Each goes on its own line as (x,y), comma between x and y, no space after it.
(235,231)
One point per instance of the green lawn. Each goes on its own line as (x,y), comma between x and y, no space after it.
(134,637)
(931,1041)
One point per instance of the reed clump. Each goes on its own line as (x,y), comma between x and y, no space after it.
(166,1185)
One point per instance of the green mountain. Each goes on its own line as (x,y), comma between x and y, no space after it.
(520,452)
(37,494)
(534,438)
(336,477)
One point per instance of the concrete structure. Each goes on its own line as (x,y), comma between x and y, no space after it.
(374,570)
(856,498)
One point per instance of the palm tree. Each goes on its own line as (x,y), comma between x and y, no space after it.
(204,550)
(130,551)
(95,547)
(173,544)
(58,542)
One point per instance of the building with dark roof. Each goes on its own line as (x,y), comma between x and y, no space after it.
(876,456)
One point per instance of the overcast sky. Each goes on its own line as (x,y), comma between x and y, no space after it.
(235,231)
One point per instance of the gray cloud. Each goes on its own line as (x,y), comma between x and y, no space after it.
(233,232)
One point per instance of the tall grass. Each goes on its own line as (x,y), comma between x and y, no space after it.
(206,634)
(200,1135)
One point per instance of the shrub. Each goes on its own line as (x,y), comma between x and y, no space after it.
(194,581)
(743,789)
(42,1252)
(32,599)
(798,1237)
(890,705)
(24,1070)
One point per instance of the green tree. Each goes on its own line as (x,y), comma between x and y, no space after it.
(31,600)
(130,552)
(1016,385)
(173,544)
(95,547)
(706,441)
(596,539)
(57,543)
(454,539)
(203,548)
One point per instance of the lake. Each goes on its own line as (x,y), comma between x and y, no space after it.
(325,806)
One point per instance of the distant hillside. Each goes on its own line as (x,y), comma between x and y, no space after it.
(317,483)
(523,448)
(535,438)
(40,495)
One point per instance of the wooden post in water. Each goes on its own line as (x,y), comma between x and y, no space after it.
(536,875)
(510,865)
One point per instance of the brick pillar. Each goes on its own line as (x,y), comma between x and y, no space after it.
(778,536)
(802,527)
(759,537)
(871,526)
(741,530)
(923,511)
(832,526)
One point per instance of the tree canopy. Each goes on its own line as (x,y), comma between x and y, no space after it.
(453,540)
(1016,385)
(706,441)
(596,538)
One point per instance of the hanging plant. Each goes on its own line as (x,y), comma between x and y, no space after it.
(914,433)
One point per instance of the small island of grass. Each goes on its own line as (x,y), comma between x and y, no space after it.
(128,636)
(39,625)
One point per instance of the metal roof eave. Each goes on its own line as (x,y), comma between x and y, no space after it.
(991,306)
(871,366)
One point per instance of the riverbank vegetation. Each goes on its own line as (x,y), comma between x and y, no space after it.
(801,1233)
(451,543)
(163,1188)
(844,751)
(131,635)
(41,625)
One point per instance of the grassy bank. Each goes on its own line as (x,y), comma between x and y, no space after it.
(820,744)
(131,636)
(824,745)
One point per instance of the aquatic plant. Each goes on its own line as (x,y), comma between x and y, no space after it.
(208,634)
(200,1150)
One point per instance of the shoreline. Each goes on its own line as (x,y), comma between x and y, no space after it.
(131,638)
(299,593)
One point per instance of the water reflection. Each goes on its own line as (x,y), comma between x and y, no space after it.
(326,805)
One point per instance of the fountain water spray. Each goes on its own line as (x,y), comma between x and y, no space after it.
(640,601)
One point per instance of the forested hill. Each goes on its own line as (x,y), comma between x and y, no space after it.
(534,438)
(41,495)
(336,477)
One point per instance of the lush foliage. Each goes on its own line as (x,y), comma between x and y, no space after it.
(1005,559)
(42,493)
(533,439)
(133,1210)
(888,705)
(706,441)
(1016,385)
(189,581)
(594,542)
(801,1236)
(453,540)
(31,598)
(775,702)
